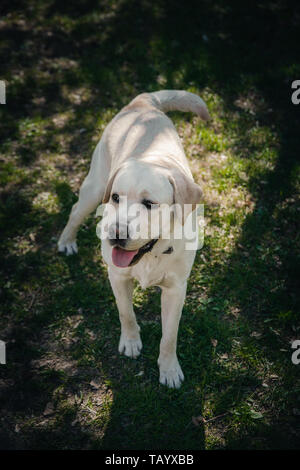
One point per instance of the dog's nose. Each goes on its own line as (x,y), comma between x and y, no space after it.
(118,232)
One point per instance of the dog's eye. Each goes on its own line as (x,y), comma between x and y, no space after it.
(115,197)
(148,204)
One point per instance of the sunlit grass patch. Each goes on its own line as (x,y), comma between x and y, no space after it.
(47,201)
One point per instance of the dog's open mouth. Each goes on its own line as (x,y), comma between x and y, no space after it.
(125,258)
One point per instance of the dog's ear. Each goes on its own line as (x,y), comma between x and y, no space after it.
(187,194)
(110,181)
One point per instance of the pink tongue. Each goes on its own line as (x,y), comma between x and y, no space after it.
(122,258)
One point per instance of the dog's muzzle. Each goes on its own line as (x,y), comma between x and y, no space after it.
(125,258)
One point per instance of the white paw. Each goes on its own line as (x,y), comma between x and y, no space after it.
(170,373)
(68,247)
(130,347)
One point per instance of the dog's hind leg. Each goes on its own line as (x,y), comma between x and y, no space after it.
(90,195)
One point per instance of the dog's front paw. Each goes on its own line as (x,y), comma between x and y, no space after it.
(130,347)
(68,247)
(170,373)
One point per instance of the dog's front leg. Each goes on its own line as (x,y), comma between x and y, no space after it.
(172,300)
(130,342)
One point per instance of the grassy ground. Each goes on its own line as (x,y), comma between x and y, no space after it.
(69,68)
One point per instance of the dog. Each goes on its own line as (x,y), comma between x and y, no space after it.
(139,161)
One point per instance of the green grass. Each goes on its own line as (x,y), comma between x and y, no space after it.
(68,71)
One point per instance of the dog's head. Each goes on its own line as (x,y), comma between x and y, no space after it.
(142,200)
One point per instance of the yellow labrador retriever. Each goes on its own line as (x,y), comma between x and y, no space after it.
(140,164)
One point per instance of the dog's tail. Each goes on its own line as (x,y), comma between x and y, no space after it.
(174,100)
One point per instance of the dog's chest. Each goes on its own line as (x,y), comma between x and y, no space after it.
(149,272)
